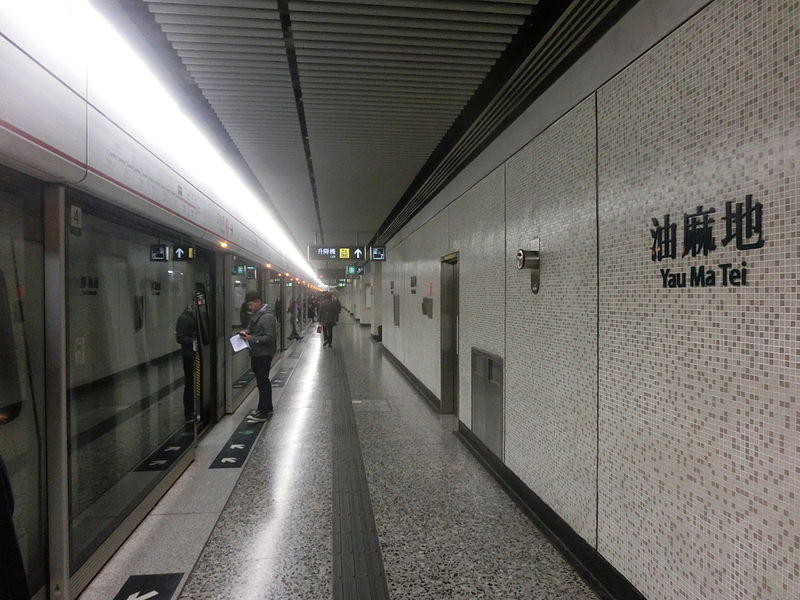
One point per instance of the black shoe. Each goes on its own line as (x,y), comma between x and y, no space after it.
(258,416)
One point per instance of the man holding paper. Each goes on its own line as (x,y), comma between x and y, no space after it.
(260,335)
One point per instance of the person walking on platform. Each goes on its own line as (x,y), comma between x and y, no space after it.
(261,334)
(328,316)
(186,336)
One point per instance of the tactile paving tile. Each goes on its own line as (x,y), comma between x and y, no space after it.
(357,563)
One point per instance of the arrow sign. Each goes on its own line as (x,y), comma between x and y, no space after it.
(147,587)
(237,446)
(179,253)
(136,596)
(155,463)
(172,449)
(229,460)
(358,253)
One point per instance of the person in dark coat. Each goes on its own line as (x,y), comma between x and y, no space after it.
(328,316)
(261,335)
(13,582)
(186,336)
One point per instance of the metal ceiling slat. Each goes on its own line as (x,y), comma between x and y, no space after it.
(212,11)
(430,72)
(242,88)
(229,47)
(413,120)
(333,36)
(314,27)
(222,63)
(212,40)
(235,30)
(227,81)
(385,103)
(244,69)
(401,66)
(494,112)
(168,19)
(449,91)
(223,3)
(397,11)
(403,24)
(522,8)
(321,48)
(356,100)
(244,56)
(404,59)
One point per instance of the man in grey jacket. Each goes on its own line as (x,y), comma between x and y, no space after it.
(261,334)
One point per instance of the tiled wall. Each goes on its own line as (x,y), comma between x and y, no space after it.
(699,421)
(551,361)
(671,412)
(477,233)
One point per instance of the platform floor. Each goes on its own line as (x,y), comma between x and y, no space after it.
(355,489)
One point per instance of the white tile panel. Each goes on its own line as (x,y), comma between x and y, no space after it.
(551,356)
(699,421)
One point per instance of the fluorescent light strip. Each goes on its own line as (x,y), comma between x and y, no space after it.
(121,84)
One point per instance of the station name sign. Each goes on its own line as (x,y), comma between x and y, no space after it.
(743,227)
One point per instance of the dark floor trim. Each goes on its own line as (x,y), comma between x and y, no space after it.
(604,579)
(432,399)
(358,570)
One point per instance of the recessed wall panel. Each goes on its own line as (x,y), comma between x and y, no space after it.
(477,233)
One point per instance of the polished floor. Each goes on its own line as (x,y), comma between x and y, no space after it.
(354,489)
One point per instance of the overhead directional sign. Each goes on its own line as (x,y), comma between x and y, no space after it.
(377,253)
(149,587)
(159,253)
(337,253)
(182,253)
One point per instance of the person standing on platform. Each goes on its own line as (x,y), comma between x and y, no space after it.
(338,304)
(328,316)
(294,305)
(186,336)
(261,334)
(13,583)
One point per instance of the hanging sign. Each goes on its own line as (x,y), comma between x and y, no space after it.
(336,253)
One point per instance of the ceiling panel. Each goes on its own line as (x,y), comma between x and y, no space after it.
(234,51)
(382,83)
(353,113)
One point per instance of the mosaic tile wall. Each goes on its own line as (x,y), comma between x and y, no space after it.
(392,283)
(699,421)
(417,341)
(477,233)
(551,361)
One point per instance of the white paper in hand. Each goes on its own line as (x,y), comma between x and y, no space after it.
(238,343)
